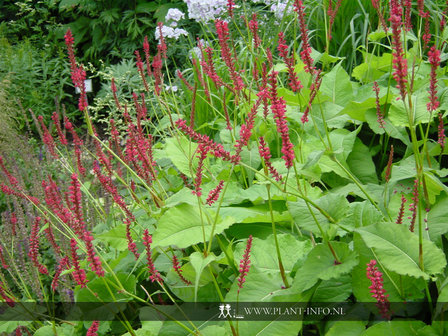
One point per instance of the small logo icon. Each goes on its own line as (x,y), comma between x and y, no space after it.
(224,311)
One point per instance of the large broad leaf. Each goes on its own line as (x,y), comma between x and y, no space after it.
(398,250)
(398,287)
(264,254)
(335,205)
(438,219)
(320,265)
(181,152)
(337,86)
(346,328)
(182,226)
(400,116)
(269,328)
(373,68)
(199,263)
(407,328)
(361,163)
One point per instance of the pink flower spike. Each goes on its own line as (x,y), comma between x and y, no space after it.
(414,205)
(214,193)
(93,329)
(377,290)
(379,114)
(401,211)
(305,54)
(34,247)
(79,275)
(245,264)
(177,269)
(434,60)
(154,274)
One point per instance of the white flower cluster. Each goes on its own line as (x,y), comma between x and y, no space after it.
(173,16)
(170,32)
(281,9)
(205,10)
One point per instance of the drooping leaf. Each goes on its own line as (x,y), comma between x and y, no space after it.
(337,86)
(182,226)
(398,250)
(320,265)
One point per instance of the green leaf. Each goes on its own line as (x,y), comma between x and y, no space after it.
(199,263)
(373,67)
(438,219)
(361,163)
(399,116)
(346,328)
(264,255)
(335,205)
(407,328)
(337,86)
(180,153)
(116,237)
(398,250)
(320,265)
(182,226)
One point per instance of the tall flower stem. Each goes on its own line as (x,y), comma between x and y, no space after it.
(215,222)
(277,246)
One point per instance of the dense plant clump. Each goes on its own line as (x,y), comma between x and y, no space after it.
(279,176)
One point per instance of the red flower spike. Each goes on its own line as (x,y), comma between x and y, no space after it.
(222,30)
(214,193)
(34,247)
(278,108)
(177,269)
(401,211)
(230,6)
(47,138)
(202,155)
(414,205)
(141,70)
(78,143)
(266,156)
(147,56)
(55,118)
(95,262)
(75,197)
(215,148)
(377,290)
(314,90)
(182,78)
(332,14)
(9,301)
(2,259)
(62,265)
(245,264)
(389,164)
(379,114)
(93,329)
(434,60)
(253,27)
(162,44)
(131,244)
(246,132)
(305,54)
(376,5)
(11,178)
(154,274)
(79,275)
(400,64)
(407,4)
